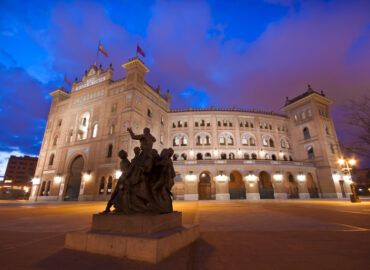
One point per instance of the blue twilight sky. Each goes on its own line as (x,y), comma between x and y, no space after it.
(249,54)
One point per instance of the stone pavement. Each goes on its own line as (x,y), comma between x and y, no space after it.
(267,234)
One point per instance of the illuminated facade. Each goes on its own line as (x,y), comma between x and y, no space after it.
(220,154)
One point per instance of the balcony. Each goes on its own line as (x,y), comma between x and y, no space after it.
(243,162)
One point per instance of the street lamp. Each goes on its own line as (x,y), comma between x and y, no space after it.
(346,166)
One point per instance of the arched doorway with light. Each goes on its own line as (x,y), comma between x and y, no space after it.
(291,186)
(205,186)
(265,187)
(311,186)
(74,179)
(236,186)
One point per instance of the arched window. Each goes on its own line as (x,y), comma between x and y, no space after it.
(48,189)
(226,138)
(310,153)
(184,141)
(70,136)
(51,159)
(175,141)
(102,185)
(175,157)
(95,131)
(112,128)
(285,158)
(223,156)
(332,148)
(267,156)
(273,157)
(199,156)
(244,140)
(290,158)
(327,130)
(110,150)
(83,126)
(265,141)
(231,156)
(207,156)
(184,156)
(252,141)
(254,156)
(110,185)
(246,156)
(198,140)
(306,133)
(55,140)
(149,113)
(282,142)
(42,190)
(271,142)
(180,139)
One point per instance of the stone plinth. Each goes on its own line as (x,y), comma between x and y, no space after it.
(139,224)
(133,237)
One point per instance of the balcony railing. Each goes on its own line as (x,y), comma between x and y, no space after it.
(243,161)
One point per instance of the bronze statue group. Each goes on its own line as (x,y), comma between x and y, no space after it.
(146,182)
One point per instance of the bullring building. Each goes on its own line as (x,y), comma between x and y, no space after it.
(220,154)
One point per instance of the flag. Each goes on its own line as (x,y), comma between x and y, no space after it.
(66,80)
(139,50)
(102,50)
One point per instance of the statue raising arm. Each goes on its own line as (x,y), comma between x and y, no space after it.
(133,136)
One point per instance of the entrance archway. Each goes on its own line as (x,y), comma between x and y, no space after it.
(205,186)
(291,186)
(74,181)
(236,186)
(265,187)
(311,186)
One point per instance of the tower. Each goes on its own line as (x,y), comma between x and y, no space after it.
(314,140)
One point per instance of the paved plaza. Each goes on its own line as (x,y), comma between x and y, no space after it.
(234,235)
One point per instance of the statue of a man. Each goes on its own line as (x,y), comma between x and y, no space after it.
(146,140)
(124,165)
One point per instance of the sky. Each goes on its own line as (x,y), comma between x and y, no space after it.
(248,54)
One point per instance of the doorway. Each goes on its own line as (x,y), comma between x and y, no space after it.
(74,181)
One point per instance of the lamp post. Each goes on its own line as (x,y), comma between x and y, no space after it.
(346,166)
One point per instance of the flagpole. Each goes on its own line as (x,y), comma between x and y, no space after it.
(97,54)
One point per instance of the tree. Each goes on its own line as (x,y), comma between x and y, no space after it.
(359,117)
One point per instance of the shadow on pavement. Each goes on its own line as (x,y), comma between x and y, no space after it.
(185,259)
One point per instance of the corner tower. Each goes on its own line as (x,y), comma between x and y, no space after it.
(314,140)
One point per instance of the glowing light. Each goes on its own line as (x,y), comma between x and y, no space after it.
(352,162)
(57,179)
(301,177)
(87,176)
(190,177)
(251,177)
(262,153)
(281,154)
(341,161)
(240,152)
(347,177)
(251,185)
(336,176)
(26,189)
(215,152)
(8,181)
(278,176)
(221,178)
(191,152)
(36,181)
(118,174)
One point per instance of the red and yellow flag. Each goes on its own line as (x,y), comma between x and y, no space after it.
(103,50)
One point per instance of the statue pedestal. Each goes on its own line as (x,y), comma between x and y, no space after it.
(149,238)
